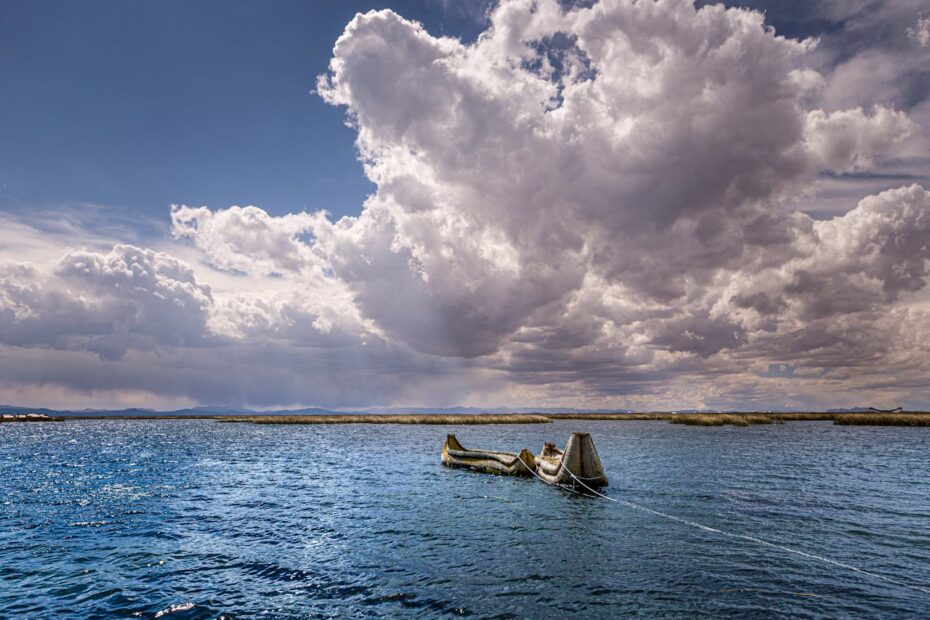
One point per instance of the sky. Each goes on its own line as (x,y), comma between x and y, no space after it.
(525,203)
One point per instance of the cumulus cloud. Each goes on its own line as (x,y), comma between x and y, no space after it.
(135,327)
(595,201)
(246,239)
(502,184)
(828,306)
(848,140)
(103,302)
(648,144)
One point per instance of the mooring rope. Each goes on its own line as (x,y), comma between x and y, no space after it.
(707,528)
(561,486)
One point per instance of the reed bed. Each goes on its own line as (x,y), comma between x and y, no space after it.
(13,420)
(701,419)
(691,419)
(809,416)
(391,419)
(722,419)
(884,419)
(609,416)
(749,419)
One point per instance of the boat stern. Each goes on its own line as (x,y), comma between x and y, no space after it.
(582,460)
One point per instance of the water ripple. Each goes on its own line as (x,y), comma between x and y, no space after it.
(194,519)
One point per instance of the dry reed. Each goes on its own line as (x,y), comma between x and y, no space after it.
(884,419)
(691,419)
(391,419)
(609,416)
(804,416)
(721,419)
(23,419)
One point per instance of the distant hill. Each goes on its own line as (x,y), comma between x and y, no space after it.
(136,411)
(214,410)
(11,409)
(211,411)
(311,411)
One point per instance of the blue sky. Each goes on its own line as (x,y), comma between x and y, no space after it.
(604,204)
(137,105)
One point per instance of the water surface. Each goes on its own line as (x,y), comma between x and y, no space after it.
(197,519)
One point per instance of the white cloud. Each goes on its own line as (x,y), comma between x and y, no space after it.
(849,140)
(103,302)
(593,205)
(246,239)
(920,31)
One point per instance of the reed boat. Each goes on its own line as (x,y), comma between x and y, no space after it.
(454,454)
(577,466)
(580,458)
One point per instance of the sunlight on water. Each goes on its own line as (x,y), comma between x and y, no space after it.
(195,519)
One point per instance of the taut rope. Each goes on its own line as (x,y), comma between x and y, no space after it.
(707,528)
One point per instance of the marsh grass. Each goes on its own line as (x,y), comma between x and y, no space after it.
(391,419)
(808,416)
(609,416)
(884,419)
(18,419)
(749,419)
(690,419)
(722,419)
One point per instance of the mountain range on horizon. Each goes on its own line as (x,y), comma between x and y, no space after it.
(218,410)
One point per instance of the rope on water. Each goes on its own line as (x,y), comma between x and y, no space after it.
(707,528)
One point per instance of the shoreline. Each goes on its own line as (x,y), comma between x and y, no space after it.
(740,419)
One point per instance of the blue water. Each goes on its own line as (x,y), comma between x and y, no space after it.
(198,519)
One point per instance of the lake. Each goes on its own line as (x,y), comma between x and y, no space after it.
(199,519)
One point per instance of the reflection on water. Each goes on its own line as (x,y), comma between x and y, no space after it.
(195,519)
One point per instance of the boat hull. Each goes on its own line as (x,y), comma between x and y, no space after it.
(487,461)
(579,465)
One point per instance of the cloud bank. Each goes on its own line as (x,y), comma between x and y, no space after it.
(594,205)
